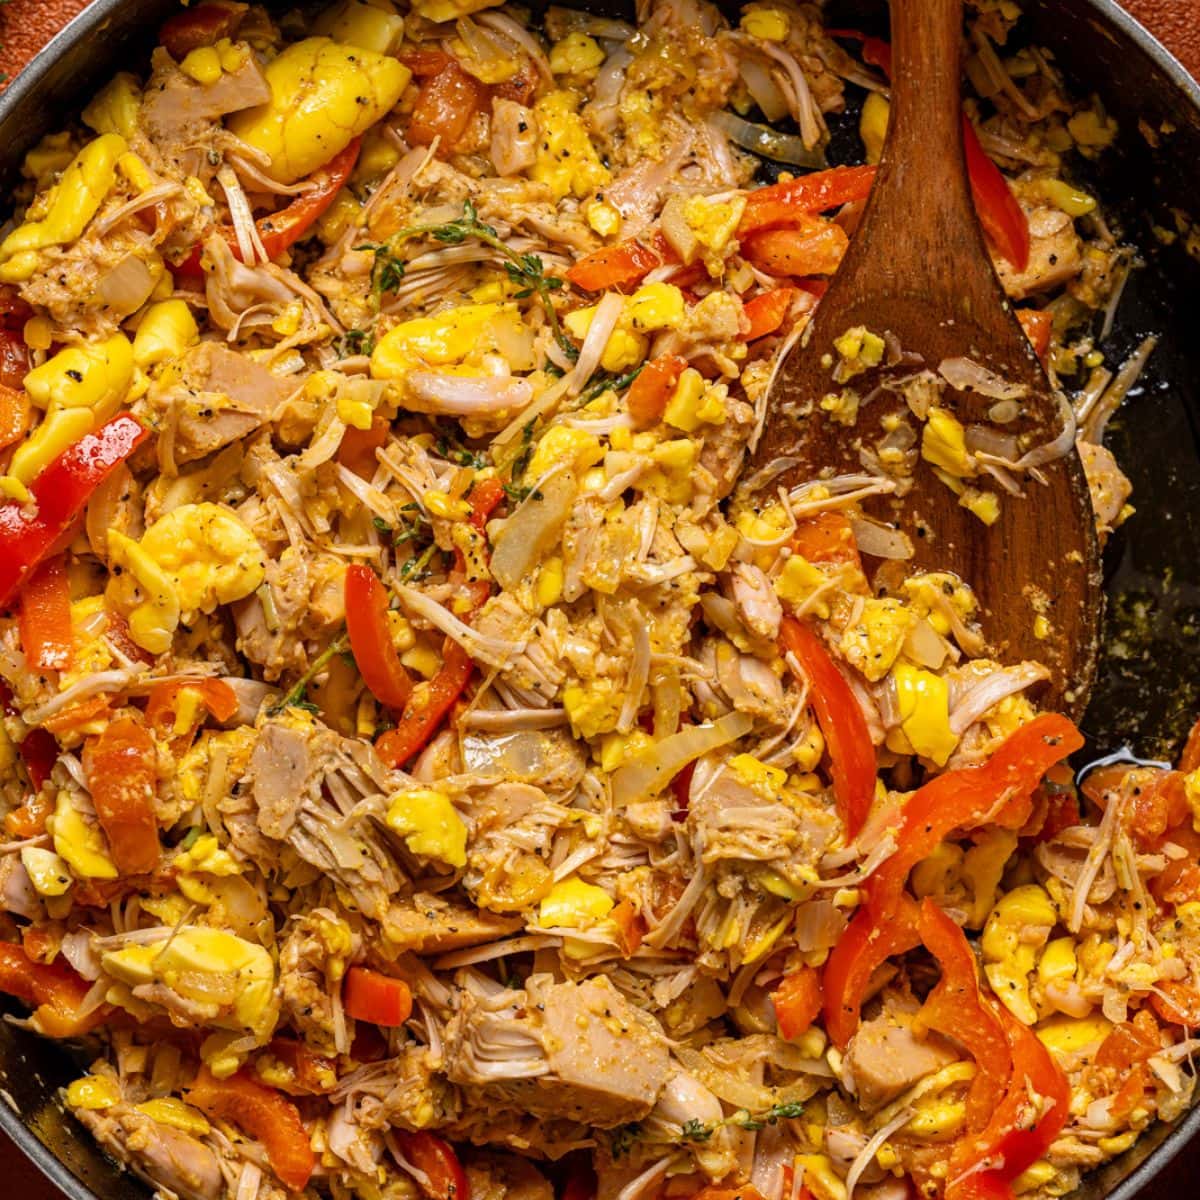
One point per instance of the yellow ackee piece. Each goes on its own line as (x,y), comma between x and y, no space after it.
(575,54)
(693,403)
(873,125)
(770,24)
(714,222)
(451,10)
(563,444)
(1058,963)
(166,331)
(820,1178)
(80,843)
(62,428)
(202,64)
(206,854)
(654,306)
(592,708)
(170,1110)
(873,643)
(430,825)
(943,443)
(375,27)
(797,582)
(604,218)
(323,95)
(858,350)
(66,210)
(209,966)
(574,904)
(1016,928)
(93,1092)
(114,109)
(448,337)
(549,587)
(210,555)
(1072,200)
(152,623)
(47,871)
(567,162)
(923,702)
(1072,1034)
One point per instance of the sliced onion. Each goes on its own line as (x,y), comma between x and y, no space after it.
(991,441)
(604,321)
(880,541)
(768,142)
(765,90)
(656,767)
(528,536)
(1050,451)
(819,924)
(989,691)
(925,647)
(462,396)
(126,287)
(571,20)
(965,374)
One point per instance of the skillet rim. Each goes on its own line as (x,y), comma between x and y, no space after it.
(23,92)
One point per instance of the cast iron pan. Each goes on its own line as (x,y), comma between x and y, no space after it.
(1149,686)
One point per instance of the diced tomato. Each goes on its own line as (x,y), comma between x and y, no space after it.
(262,1112)
(1130,1042)
(357,451)
(371,638)
(767,312)
(45,619)
(485,497)
(434,1157)
(650,392)
(29,819)
(1178,1003)
(631,928)
(311,1075)
(618,266)
(797,1002)
(847,738)
(826,537)
(814,247)
(39,753)
(200,26)
(445,107)
(786,203)
(1038,324)
(121,769)
(376,998)
(424,61)
(77,715)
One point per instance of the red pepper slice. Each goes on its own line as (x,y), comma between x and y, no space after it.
(45,620)
(29,533)
(1002,217)
(215,694)
(122,774)
(54,990)
(851,752)
(200,26)
(265,1114)
(434,1157)
(484,498)
(787,203)
(956,1009)
(311,1074)
(1038,324)
(376,998)
(428,705)
(650,392)
(811,247)
(797,1002)
(614,267)
(371,638)
(766,312)
(283,229)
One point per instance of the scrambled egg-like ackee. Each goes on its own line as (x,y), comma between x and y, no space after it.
(430,748)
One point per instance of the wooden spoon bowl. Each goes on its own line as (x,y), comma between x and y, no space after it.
(918,271)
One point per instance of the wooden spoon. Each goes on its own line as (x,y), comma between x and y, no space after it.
(918,269)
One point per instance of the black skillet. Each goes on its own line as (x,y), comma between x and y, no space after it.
(1149,685)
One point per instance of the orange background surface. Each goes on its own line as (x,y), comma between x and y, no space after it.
(26,25)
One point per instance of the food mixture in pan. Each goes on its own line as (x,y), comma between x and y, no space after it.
(431,765)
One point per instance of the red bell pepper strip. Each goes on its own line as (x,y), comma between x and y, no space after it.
(999,791)
(371,638)
(434,1157)
(265,1114)
(956,1009)
(766,312)
(53,990)
(428,705)
(29,533)
(811,247)
(283,229)
(1038,324)
(864,945)
(1020,1131)
(1002,217)
(45,619)
(797,1002)
(851,753)
(782,204)
(122,774)
(650,392)
(376,998)
(200,26)
(484,498)
(617,266)
(215,694)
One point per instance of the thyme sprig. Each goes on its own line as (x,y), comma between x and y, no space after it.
(296,697)
(527,271)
